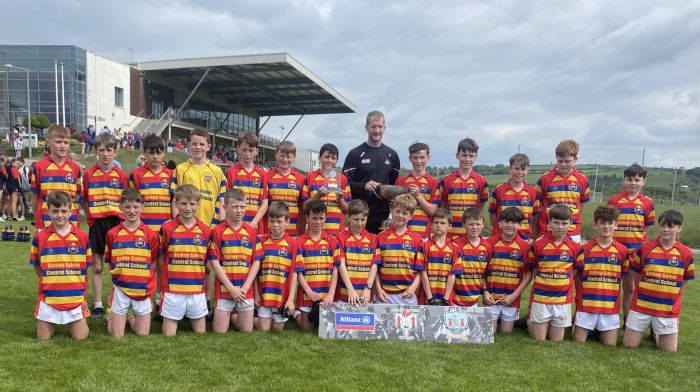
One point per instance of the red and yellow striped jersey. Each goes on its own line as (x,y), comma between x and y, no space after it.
(401,256)
(636,215)
(474,259)
(553,267)
(320,257)
(211,182)
(281,258)
(101,191)
(155,191)
(572,191)
(430,190)
(507,267)
(235,250)
(360,254)
(63,261)
(131,256)
(287,189)
(253,183)
(459,193)
(601,269)
(49,176)
(662,273)
(335,219)
(441,262)
(185,250)
(504,196)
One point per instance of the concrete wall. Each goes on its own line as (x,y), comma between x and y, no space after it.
(103,75)
(307,160)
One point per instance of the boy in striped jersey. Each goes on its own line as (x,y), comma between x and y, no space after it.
(152,180)
(359,268)
(235,253)
(131,253)
(464,187)
(661,268)
(61,256)
(600,267)
(183,264)
(55,173)
(516,193)
(282,262)
(563,185)
(551,261)
(402,265)
(103,184)
(441,259)
(636,217)
(474,253)
(284,185)
(423,187)
(322,256)
(251,179)
(506,273)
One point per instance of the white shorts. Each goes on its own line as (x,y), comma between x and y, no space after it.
(45,312)
(176,306)
(597,321)
(505,313)
(660,325)
(269,311)
(229,305)
(557,315)
(120,303)
(397,299)
(305,309)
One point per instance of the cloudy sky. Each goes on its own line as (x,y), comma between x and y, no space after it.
(618,76)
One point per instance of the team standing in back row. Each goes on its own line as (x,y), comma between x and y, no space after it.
(275,243)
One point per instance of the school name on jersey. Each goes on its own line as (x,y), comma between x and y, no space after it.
(105,203)
(603,273)
(601,279)
(660,282)
(63,272)
(234,263)
(132,265)
(505,274)
(186,262)
(551,275)
(163,204)
(396,264)
(438,278)
(273,272)
(63,265)
(661,275)
(359,268)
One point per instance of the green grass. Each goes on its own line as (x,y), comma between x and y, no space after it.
(293,360)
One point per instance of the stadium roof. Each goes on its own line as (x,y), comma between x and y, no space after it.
(273,84)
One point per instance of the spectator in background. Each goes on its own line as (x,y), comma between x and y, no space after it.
(83,139)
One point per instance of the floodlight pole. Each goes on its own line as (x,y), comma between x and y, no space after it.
(29,107)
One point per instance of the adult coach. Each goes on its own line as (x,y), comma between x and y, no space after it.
(370,164)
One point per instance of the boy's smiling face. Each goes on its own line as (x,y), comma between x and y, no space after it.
(198,147)
(633,185)
(419,160)
(466,159)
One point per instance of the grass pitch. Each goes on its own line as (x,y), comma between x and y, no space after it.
(294,360)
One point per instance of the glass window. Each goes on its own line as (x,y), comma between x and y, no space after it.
(53,52)
(22,52)
(119,97)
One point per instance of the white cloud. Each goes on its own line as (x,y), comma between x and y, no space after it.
(618,76)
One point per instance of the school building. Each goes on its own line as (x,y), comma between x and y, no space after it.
(226,95)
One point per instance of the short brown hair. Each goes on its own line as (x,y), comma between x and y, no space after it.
(131,194)
(198,132)
(278,210)
(286,147)
(187,192)
(472,213)
(567,148)
(605,213)
(58,199)
(248,138)
(234,195)
(519,160)
(58,131)
(106,140)
(404,202)
(418,146)
(561,212)
(358,207)
(443,213)
(511,214)
(315,206)
(467,145)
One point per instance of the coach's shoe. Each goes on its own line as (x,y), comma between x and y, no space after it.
(521,323)
(97,314)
